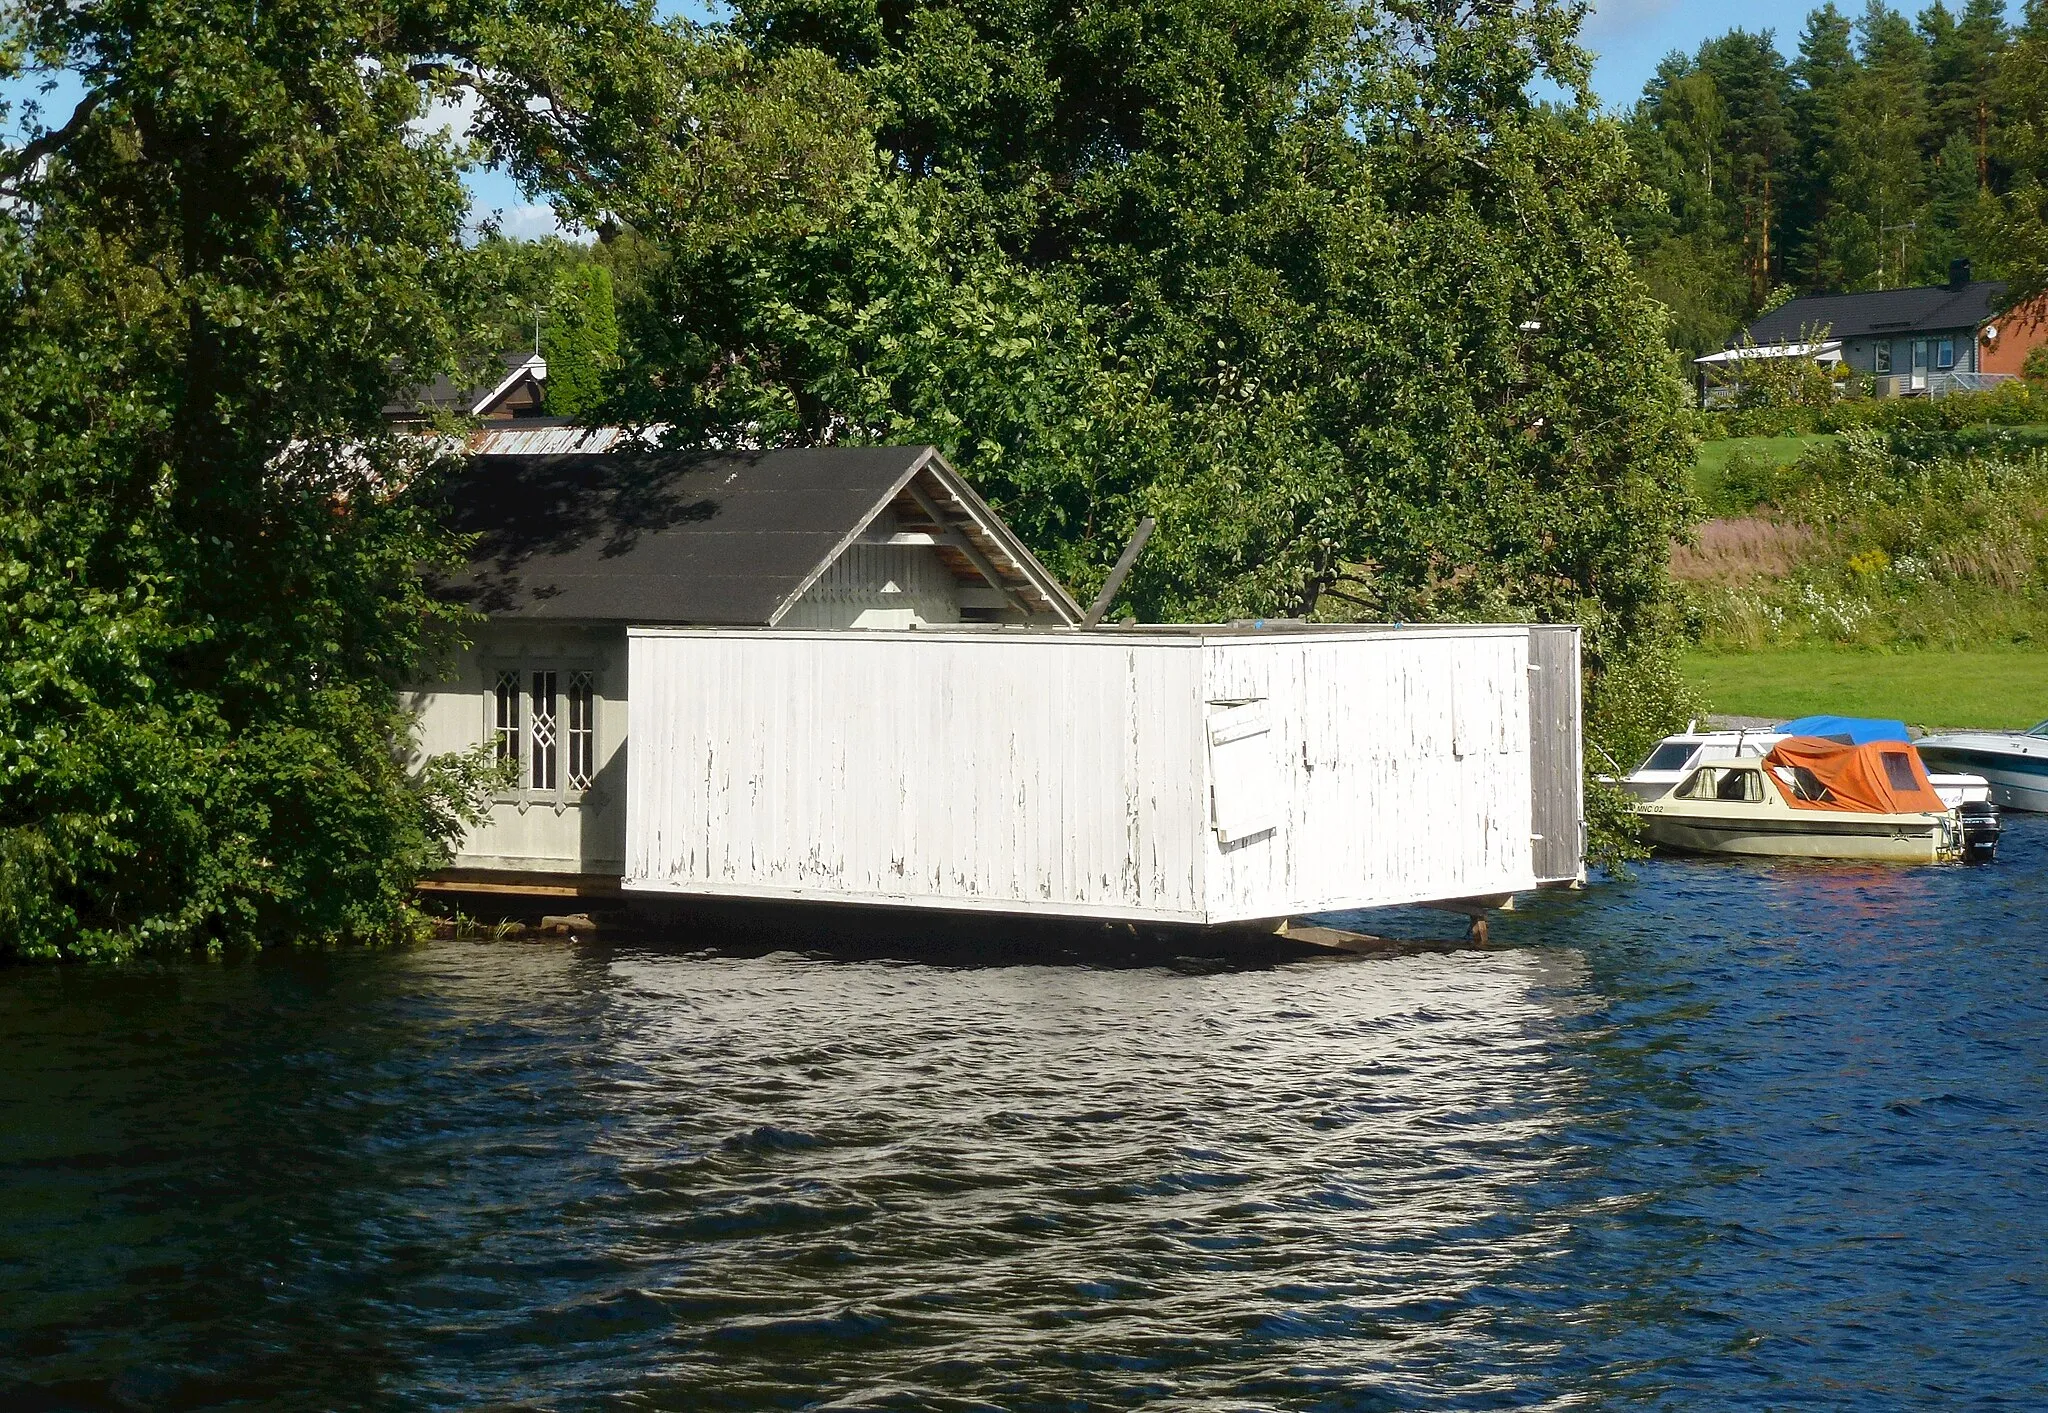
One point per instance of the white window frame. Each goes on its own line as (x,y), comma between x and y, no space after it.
(562,792)
(1944,355)
(1881,357)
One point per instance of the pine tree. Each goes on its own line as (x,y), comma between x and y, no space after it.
(1951,203)
(1756,92)
(1887,118)
(1829,237)
(1963,77)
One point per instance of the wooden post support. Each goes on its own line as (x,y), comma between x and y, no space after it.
(1122,571)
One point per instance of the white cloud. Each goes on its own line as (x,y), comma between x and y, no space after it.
(530,220)
(451,116)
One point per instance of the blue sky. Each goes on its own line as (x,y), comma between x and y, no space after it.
(1628,36)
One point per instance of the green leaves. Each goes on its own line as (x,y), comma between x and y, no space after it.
(210,285)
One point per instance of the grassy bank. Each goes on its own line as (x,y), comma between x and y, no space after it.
(1988,687)
(1902,574)
(1856,545)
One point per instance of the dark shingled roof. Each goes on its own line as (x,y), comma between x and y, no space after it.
(1928,309)
(661,537)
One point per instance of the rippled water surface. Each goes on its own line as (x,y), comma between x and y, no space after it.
(1725,1136)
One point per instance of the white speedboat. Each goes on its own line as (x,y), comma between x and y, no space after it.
(1675,757)
(1809,798)
(2015,762)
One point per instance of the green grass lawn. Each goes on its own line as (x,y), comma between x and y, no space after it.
(1988,687)
(1778,451)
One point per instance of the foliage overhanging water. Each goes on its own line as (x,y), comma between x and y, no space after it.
(1724,1136)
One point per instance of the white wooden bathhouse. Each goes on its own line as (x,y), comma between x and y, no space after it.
(1191,776)
(573,549)
(834,675)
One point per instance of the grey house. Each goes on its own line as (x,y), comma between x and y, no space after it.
(1926,340)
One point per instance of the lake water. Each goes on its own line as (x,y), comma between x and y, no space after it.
(1725,1136)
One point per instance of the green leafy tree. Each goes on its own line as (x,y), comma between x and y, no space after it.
(1327,291)
(214,271)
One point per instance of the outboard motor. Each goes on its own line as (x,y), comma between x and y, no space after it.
(1981,830)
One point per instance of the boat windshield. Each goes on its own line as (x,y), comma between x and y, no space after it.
(2041,730)
(1898,771)
(1732,786)
(1671,755)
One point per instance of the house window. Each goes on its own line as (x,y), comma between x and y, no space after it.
(582,731)
(544,731)
(543,719)
(507,716)
(1881,357)
(1945,354)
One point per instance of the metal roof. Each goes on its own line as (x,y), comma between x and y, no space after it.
(647,537)
(1923,310)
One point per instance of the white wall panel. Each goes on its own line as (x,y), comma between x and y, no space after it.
(966,770)
(1403,761)
(1069,773)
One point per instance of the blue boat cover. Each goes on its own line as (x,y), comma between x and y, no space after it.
(1851,730)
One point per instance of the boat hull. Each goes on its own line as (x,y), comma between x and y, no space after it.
(1886,841)
(2018,782)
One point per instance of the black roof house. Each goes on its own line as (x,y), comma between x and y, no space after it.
(1928,309)
(650,537)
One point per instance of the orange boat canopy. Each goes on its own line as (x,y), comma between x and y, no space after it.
(1882,777)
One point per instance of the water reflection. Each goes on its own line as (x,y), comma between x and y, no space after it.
(1725,1136)
(936,1183)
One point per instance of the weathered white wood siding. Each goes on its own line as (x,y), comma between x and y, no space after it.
(1071,773)
(973,770)
(1401,769)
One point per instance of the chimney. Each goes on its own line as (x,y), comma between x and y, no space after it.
(1958,273)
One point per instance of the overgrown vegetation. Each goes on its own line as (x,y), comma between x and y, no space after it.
(214,271)
(1872,542)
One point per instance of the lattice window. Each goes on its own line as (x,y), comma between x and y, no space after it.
(544,731)
(582,730)
(508,716)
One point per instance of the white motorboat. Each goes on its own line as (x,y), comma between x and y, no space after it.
(2015,762)
(1816,799)
(1675,757)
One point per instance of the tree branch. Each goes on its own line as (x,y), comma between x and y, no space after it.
(22,160)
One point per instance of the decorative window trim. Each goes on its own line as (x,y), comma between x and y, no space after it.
(551,729)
